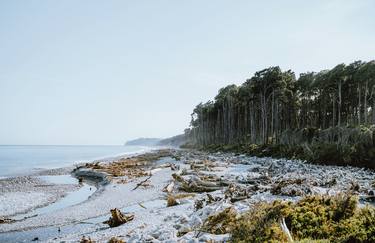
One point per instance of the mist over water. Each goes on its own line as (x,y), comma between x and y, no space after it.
(23,159)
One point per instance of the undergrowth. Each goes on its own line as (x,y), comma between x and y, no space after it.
(312,219)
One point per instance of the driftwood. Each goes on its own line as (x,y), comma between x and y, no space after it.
(370,198)
(141,205)
(116,240)
(291,187)
(142,182)
(200,203)
(169,188)
(118,218)
(5,220)
(285,229)
(237,192)
(171,201)
(86,240)
(131,167)
(174,167)
(195,184)
(354,186)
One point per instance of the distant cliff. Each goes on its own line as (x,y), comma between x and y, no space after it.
(144,141)
(175,141)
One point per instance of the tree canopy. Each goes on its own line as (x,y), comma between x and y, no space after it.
(272,103)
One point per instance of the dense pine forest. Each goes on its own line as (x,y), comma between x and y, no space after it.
(325,117)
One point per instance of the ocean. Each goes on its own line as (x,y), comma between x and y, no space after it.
(24,159)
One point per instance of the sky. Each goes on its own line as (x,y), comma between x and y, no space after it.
(103,72)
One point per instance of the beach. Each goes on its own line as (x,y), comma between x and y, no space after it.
(141,185)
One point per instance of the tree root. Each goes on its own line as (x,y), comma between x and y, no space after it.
(118,218)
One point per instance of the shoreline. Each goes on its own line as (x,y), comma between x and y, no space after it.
(20,187)
(149,204)
(58,161)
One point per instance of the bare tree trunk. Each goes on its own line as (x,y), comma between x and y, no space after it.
(359,104)
(333,110)
(276,121)
(339,106)
(365,102)
(272,115)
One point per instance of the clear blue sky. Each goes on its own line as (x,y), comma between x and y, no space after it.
(102,72)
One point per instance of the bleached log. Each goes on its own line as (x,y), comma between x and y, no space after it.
(285,229)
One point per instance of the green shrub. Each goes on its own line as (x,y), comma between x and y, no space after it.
(315,218)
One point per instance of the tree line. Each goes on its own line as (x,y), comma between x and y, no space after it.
(273,107)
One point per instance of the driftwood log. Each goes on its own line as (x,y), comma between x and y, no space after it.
(195,184)
(116,240)
(86,240)
(5,220)
(118,218)
(142,182)
(237,192)
(169,188)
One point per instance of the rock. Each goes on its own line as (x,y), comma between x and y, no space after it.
(195,221)
(135,238)
(167,235)
(183,230)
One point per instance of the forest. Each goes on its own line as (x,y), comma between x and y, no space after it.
(324,117)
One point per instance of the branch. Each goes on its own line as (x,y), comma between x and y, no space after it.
(285,229)
(140,183)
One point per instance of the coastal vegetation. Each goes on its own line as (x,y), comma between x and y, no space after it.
(312,219)
(324,117)
(334,219)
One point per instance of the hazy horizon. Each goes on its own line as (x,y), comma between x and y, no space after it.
(102,73)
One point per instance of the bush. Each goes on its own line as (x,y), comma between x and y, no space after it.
(335,219)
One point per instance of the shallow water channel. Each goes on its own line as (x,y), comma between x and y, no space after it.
(80,228)
(72,198)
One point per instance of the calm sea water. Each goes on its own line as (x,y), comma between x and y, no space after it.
(18,160)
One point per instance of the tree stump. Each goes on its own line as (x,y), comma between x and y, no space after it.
(118,218)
